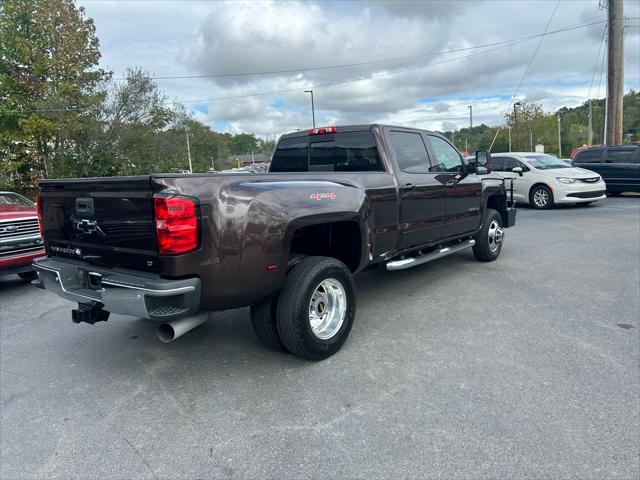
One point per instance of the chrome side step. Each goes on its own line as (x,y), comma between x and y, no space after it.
(415,261)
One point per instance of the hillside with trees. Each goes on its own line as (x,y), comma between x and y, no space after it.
(531,125)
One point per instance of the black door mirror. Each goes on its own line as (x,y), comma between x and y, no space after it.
(483,157)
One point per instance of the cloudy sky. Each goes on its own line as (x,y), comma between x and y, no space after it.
(404,62)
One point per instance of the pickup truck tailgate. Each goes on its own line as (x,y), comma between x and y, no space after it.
(108,222)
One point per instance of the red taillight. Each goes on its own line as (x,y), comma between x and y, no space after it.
(176,224)
(321,130)
(39,210)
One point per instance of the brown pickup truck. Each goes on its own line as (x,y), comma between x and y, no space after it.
(337,200)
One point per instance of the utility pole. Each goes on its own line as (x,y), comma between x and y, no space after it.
(590,133)
(313,110)
(186,131)
(559,138)
(531,141)
(509,138)
(615,72)
(470,120)
(515,115)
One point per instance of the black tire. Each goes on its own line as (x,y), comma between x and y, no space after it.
(28,276)
(263,320)
(544,192)
(294,304)
(488,246)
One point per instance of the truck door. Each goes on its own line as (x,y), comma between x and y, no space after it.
(421,192)
(463,192)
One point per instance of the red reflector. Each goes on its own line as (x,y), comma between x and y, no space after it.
(39,210)
(272,268)
(321,130)
(176,224)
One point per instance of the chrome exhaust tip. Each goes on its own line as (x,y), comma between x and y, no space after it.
(169,331)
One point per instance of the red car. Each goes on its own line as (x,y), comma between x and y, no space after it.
(20,240)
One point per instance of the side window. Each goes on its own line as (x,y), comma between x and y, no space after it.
(510,164)
(291,155)
(447,157)
(591,155)
(410,151)
(345,152)
(497,164)
(620,155)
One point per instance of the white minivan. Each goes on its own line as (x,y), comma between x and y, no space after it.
(542,180)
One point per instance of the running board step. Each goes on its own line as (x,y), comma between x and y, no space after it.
(429,257)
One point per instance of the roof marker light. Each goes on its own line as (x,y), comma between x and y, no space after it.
(322,130)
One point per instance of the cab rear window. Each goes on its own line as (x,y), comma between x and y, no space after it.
(338,152)
(291,155)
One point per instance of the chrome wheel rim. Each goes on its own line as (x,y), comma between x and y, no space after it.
(496,235)
(327,308)
(541,197)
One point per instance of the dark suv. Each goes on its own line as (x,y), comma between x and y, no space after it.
(619,166)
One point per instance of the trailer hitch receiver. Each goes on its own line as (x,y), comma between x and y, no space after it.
(89,313)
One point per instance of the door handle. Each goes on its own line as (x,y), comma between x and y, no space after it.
(408,186)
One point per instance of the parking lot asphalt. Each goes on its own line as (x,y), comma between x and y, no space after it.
(524,367)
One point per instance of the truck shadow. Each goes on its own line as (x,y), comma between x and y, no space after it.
(10,282)
(226,344)
(228,339)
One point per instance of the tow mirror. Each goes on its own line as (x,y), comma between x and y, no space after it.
(517,170)
(483,157)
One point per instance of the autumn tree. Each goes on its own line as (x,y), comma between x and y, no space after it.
(50,84)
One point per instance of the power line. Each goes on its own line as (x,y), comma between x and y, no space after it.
(290,90)
(392,72)
(342,82)
(298,89)
(373,62)
(526,71)
(595,67)
(604,57)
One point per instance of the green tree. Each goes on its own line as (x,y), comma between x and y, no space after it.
(50,84)
(134,115)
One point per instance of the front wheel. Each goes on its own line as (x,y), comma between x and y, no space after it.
(489,240)
(316,308)
(541,197)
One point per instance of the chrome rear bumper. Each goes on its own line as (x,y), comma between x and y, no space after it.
(120,291)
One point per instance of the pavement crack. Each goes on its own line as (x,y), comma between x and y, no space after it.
(135,450)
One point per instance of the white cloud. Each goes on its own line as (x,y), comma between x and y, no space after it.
(441,107)
(212,37)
